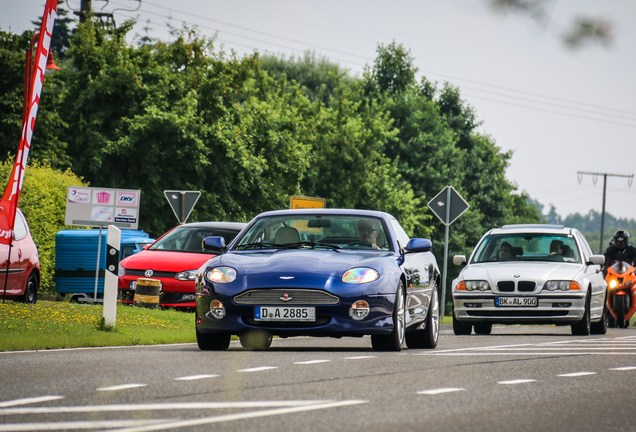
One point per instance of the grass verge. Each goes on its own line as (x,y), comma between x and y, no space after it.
(50,325)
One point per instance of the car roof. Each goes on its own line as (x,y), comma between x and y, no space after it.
(221,225)
(326,211)
(532,228)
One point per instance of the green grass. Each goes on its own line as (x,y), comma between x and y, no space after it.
(49,325)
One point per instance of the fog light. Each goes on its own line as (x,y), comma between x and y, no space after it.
(561,305)
(472,305)
(216,309)
(359,310)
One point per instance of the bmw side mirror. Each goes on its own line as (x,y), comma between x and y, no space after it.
(596,260)
(418,245)
(459,259)
(214,243)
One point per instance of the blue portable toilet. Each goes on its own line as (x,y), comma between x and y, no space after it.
(76,259)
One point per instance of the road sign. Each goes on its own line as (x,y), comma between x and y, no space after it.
(100,207)
(448,205)
(182,203)
(302,202)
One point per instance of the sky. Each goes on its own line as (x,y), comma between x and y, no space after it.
(558,111)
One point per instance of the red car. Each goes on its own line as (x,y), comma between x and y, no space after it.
(24,269)
(174,260)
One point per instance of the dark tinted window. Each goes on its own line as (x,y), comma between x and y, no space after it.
(190,239)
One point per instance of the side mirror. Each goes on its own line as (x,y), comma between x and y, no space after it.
(214,243)
(418,245)
(596,260)
(459,259)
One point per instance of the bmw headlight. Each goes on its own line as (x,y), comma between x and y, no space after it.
(473,285)
(360,275)
(562,285)
(221,275)
(188,275)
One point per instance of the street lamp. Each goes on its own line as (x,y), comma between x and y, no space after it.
(28,72)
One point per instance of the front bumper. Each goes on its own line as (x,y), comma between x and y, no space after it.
(552,308)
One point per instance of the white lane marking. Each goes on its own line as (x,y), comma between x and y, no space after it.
(240,416)
(194,377)
(31,400)
(72,425)
(623,368)
(359,357)
(496,353)
(516,381)
(440,390)
(121,387)
(576,374)
(258,369)
(311,362)
(158,407)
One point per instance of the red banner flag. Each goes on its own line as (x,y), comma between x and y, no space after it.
(9,202)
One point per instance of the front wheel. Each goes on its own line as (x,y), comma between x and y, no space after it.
(601,326)
(428,337)
(620,307)
(213,341)
(461,329)
(394,341)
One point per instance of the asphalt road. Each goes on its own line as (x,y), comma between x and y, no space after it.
(520,378)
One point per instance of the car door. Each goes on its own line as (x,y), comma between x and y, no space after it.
(593,276)
(17,263)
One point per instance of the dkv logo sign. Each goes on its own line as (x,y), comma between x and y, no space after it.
(127,199)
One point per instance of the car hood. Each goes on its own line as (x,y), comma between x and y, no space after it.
(166,260)
(529,271)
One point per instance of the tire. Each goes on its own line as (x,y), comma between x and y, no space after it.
(428,337)
(30,295)
(483,328)
(583,327)
(461,329)
(601,326)
(213,341)
(394,341)
(619,307)
(256,339)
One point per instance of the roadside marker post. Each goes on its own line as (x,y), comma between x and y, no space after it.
(111,275)
(447,205)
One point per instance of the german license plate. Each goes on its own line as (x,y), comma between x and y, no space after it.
(516,301)
(284,313)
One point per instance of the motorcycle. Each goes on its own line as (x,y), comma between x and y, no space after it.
(621,293)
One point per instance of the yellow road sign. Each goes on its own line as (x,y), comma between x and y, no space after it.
(302,202)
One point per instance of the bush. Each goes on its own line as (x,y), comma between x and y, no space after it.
(43,202)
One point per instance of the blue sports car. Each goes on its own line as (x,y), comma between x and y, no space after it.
(319,272)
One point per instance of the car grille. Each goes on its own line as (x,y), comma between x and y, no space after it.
(506,286)
(295,297)
(522,286)
(526,286)
(157,274)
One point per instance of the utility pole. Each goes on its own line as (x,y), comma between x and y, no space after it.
(85,8)
(594,178)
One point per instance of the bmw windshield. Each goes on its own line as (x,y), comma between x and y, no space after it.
(527,247)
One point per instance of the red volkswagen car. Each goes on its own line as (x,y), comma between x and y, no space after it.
(24,268)
(174,260)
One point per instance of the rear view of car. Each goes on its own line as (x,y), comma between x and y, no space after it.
(530,274)
(174,260)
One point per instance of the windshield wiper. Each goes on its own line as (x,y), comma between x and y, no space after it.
(267,245)
(314,244)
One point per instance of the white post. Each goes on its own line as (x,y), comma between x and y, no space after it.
(110,277)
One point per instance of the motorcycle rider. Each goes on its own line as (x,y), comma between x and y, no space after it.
(621,250)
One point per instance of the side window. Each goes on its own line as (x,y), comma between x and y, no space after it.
(20,230)
(401,235)
(584,245)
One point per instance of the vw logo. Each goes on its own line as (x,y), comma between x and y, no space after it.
(149,273)
(286,297)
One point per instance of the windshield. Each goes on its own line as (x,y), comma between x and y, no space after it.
(190,239)
(316,231)
(621,267)
(527,247)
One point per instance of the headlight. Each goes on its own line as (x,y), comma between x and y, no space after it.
(121,272)
(562,285)
(221,275)
(360,275)
(613,283)
(473,285)
(189,275)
